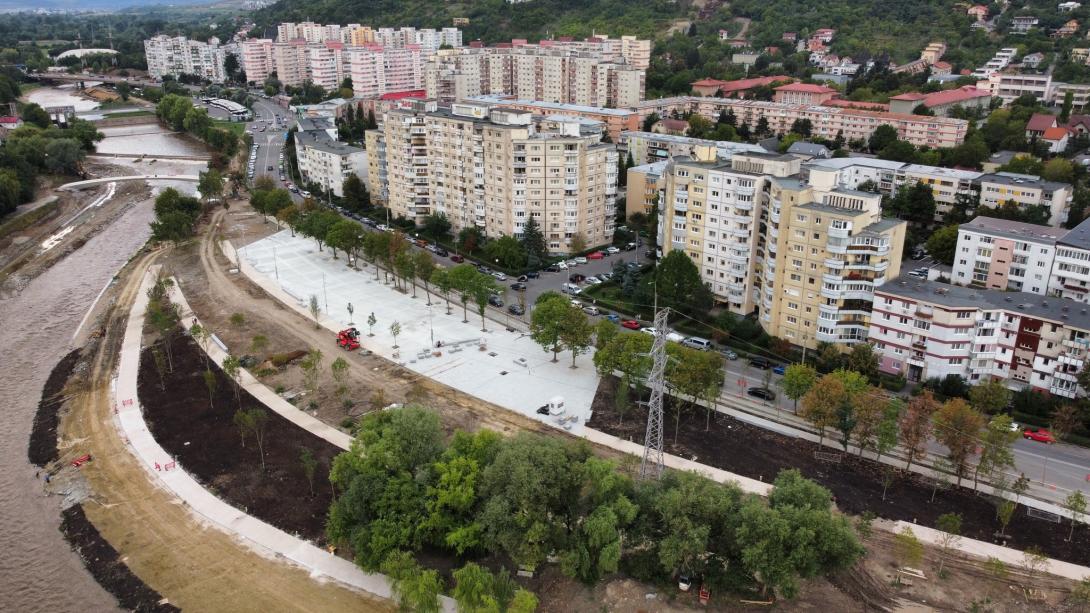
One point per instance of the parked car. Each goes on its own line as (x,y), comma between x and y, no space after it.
(516,309)
(522,279)
(631,324)
(457,258)
(573,263)
(1038,434)
(580,260)
(577,278)
(612,250)
(630,247)
(533,274)
(730,355)
(591,310)
(518,287)
(571,288)
(560,266)
(499,276)
(495,300)
(761,363)
(779,369)
(597,255)
(649,330)
(593,280)
(613,317)
(439,251)
(762,392)
(695,342)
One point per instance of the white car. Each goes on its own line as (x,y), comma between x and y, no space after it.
(593,280)
(581,260)
(649,330)
(499,276)
(562,265)
(573,263)
(612,250)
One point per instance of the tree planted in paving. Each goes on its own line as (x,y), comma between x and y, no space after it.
(821,404)
(957,426)
(315,310)
(441,278)
(547,322)
(797,380)
(371,321)
(1075,503)
(576,332)
(424,267)
(395,330)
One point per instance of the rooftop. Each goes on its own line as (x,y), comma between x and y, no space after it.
(831,210)
(1010,178)
(1067,312)
(319,140)
(806,88)
(1040,122)
(1079,236)
(1057,133)
(1014,229)
(556,106)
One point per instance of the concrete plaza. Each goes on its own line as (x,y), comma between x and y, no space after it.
(499,366)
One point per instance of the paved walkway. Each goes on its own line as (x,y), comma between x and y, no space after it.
(77,185)
(260,536)
(966,546)
(499,366)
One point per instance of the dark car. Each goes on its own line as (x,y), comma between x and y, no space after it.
(533,274)
(495,300)
(577,278)
(761,363)
(270,168)
(439,251)
(457,258)
(762,392)
(516,309)
(518,287)
(552,268)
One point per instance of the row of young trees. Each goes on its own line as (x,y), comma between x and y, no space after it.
(178,112)
(528,498)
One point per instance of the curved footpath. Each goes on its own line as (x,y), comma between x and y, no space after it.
(967,546)
(78,185)
(258,535)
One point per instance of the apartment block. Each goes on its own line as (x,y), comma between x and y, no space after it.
(616,121)
(924,329)
(495,167)
(257,59)
(177,55)
(1005,255)
(1070,276)
(642,188)
(647,147)
(804,257)
(357,35)
(999,188)
(325,161)
(587,74)
(379,70)
(827,121)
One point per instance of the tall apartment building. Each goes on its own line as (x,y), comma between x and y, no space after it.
(494,168)
(1005,255)
(355,34)
(257,59)
(325,161)
(177,55)
(647,147)
(553,73)
(1070,276)
(378,70)
(290,62)
(828,121)
(805,257)
(924,329)
(616,121)
(642,187)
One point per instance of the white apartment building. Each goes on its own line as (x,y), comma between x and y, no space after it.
(290,62)
(924,329)
(1005,255)
(325,161)
(177,55)
(648,147)
(1002,58)
(357,35)
(378,70)
(494,168)
(1027,190)
(1071,268)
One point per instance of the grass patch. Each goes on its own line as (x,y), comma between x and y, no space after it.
(26,87)
(237,127)
(26,220)
(129,114)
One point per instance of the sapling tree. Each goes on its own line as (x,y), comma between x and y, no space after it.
(1075,503)
(950,525)
(395,329)
(310,465)
(315,309)
(908,548)
(160,366)
(210,383)
(233,369)
(371,321)
(254,422)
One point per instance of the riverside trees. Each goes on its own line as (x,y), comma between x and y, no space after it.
(528,496)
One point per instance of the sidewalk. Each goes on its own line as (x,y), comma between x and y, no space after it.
(261,537)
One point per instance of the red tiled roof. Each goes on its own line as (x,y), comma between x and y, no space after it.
(740,84)
(1040,122)
(953,96)
(675,124)
(9,119)
(808,88)
(1075,120)
(943,65)
(909,96)
(707,82)
(411,93)
(1055,133)
(852,104)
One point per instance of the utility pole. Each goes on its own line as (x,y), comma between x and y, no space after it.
(651,466)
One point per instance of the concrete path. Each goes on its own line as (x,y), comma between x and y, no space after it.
(258,535)
(78,185)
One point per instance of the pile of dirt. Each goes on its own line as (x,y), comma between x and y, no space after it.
(856,483)
(43,437)
(205,441)
(107,567)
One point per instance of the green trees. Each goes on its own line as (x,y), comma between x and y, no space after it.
(556,324)
(416,589)
(996,455)
(678,284)
(479,591)
(36,115)
(356,198)
(210,184)
(1075,503)
(437,225)
(175,216)
(882,137)
(346,235)
(507,252)
(797,380)
(916,425)
(942,245)
(533,241)
(957,426)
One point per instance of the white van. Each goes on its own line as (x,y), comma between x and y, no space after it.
(696,342)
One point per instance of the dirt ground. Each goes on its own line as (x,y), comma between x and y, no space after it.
(207,444)
(196,567)
(856,483)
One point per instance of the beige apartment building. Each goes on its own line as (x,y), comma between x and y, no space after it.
(804,257)
(495,168)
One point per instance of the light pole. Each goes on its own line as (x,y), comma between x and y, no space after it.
(276,268)
(324,294)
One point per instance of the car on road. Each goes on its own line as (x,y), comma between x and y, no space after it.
(779,369)
(631,324)
(762,392)
(613,317)
(597,255)
(533,274)
(593,280)
(730,355)
(518,287)
(269,168)
(571,288)
(495,300)
(612,250)
(439,251)
(516,309)
(649,330)
(553,268)
(432,248)
(577,278)
(581,260)
(457,259)
(304,194)
(761,363)
(591,310)
(1038,434)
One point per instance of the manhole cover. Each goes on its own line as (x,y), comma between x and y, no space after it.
(492,353)
(503,372)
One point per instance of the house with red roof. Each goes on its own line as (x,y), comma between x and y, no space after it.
(734,89)
(1078,124)
(675,127)
(804,93)
(979,11)
(940,103)
(825,35)
(1038,123)
(1056,139)
(790,37)
(7,124)
(940,68)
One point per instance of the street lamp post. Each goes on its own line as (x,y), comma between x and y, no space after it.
(324,294)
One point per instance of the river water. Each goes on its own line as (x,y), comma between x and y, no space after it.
(151,139)
(62,95)
(38,570)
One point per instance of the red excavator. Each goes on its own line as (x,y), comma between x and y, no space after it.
(349,339)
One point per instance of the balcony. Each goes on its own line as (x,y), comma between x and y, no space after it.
(834,264)
(839,232)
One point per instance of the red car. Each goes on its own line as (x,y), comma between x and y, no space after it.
(1040,435)
(597,255)
(457,258)
(631,324)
